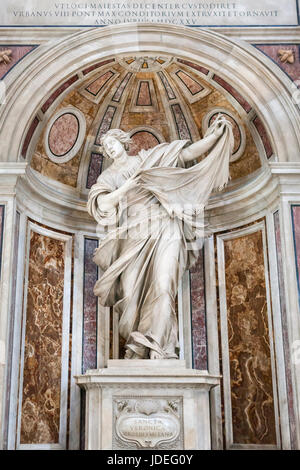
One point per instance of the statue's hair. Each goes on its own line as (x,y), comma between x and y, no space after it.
(121,136)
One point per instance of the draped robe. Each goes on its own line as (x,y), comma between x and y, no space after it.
(147,241)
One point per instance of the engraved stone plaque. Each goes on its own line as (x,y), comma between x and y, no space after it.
(147,423)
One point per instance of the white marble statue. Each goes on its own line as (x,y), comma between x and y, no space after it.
(149,207)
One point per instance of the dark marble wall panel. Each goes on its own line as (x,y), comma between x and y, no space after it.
(2,212)
(286,346)
(105,123)
(296,231)
(29,136)
(58,92)
(273,51)
(120,90)
(90,303)
(169,90)
(201,69)
(180,121)
(40,409)
(253,416)
(198,307)
(95,169)
(239,98)
(264,136)
(12,55)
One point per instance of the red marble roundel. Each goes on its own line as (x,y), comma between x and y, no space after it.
(63,134)
(235,129)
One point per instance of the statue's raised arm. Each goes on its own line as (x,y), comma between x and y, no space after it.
(202,146)
(148,207)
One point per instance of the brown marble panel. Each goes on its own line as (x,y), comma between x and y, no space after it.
(239,98)
(40,412)
(198,306)
(272,51)
(13,55)
(63,134)
(253,416)
(144,95)
(90,310)
(191,84)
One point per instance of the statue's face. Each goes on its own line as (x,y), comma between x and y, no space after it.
(113,147)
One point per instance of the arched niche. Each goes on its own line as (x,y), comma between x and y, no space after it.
(261,83)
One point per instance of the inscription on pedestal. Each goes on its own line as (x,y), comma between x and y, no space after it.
(147,422)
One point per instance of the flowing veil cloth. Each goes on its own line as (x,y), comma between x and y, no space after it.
(192,186)
(132,266)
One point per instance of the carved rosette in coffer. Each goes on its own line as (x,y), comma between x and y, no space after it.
(147,423)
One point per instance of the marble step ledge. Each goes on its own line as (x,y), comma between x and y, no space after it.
(149,371)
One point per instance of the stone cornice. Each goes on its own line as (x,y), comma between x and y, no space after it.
(42,35)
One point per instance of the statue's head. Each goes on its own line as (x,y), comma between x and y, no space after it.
(114,143)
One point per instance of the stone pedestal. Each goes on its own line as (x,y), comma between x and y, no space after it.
(147,404)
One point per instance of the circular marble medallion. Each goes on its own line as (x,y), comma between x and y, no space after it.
(63,134)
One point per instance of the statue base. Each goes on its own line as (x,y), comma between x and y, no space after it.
(147,404)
